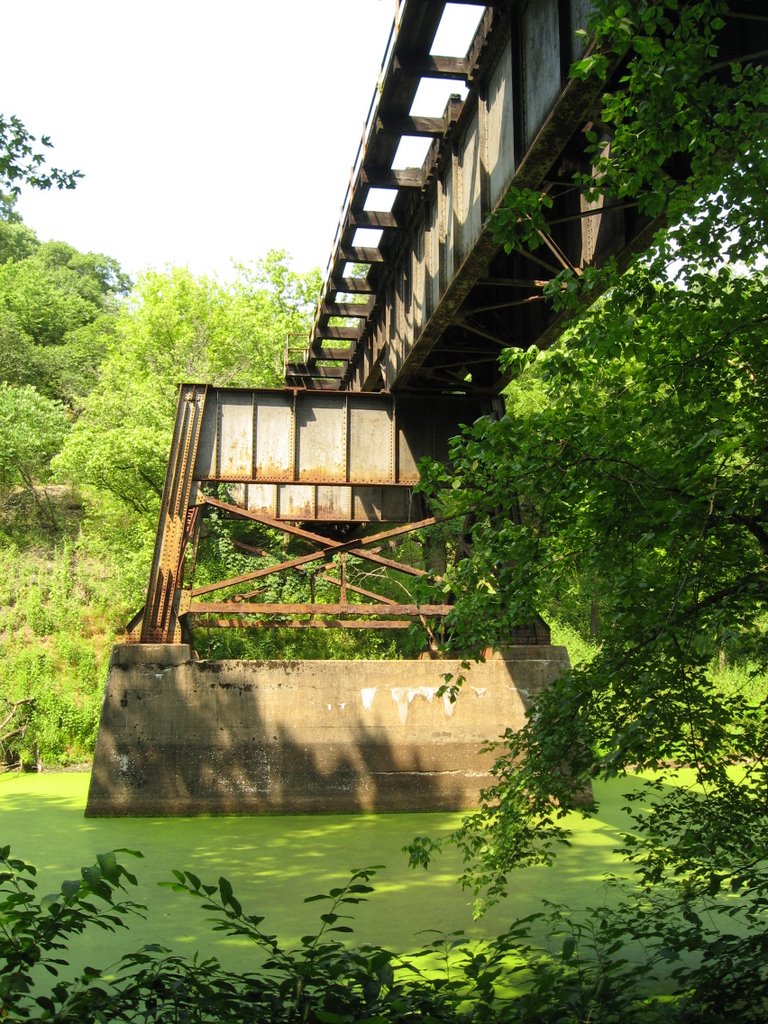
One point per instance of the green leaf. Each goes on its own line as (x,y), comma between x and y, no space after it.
(225,889)
(70,890)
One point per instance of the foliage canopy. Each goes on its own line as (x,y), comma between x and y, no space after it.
(634,456)
(89,376)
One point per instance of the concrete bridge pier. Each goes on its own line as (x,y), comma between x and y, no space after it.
(180,736)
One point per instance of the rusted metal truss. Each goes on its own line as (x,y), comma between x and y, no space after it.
(357,607)
(377,611)
(284,460)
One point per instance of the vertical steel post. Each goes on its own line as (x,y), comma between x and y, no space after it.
(160,622)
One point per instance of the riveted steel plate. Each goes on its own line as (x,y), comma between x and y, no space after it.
(325,456)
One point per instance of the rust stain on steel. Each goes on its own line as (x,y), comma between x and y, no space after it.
(235,435)
(335,443)
(304,624)
(331,548)
(215,607)
(321,443)
(177,521)
(274,448)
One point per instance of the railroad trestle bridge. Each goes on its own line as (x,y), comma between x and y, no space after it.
(418,303)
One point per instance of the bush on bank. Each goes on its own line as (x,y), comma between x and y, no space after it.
(606,966)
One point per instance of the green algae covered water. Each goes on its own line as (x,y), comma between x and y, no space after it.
(274,862)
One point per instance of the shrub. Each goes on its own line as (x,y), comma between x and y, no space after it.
(601,967)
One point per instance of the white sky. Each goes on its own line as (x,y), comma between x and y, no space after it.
(207,131)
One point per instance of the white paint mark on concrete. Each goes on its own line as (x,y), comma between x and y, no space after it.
(403,698)
(367,694)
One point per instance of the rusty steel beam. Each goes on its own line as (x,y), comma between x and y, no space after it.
(329,333)
(305,383)
(215,607)
(350,309)
(382,177)
(430,66)
(258,574)
(353,286)
(315,372)
(373,219)
(421,127)
(361,254)
(303,624)
(159,623)
(335,355)
(380,598)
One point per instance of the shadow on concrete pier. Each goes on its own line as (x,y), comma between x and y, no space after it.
(179,736)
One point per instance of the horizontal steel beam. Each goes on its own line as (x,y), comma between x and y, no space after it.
(243,608)
(361,254)
(349,309)
(372,219)
(353,285)
(316,623)
(338,333)
(432,66)
(315,372)
(382,177)
(337,355)
(423,127)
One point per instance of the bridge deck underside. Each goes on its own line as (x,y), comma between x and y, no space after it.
(439,300)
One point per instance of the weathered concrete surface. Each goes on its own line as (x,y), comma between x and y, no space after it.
(243,737)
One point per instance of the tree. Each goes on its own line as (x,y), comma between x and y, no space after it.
(32,431)
(176,327)
(58,308)
(21,163)
(16,240)
(179,328)
(633,461)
